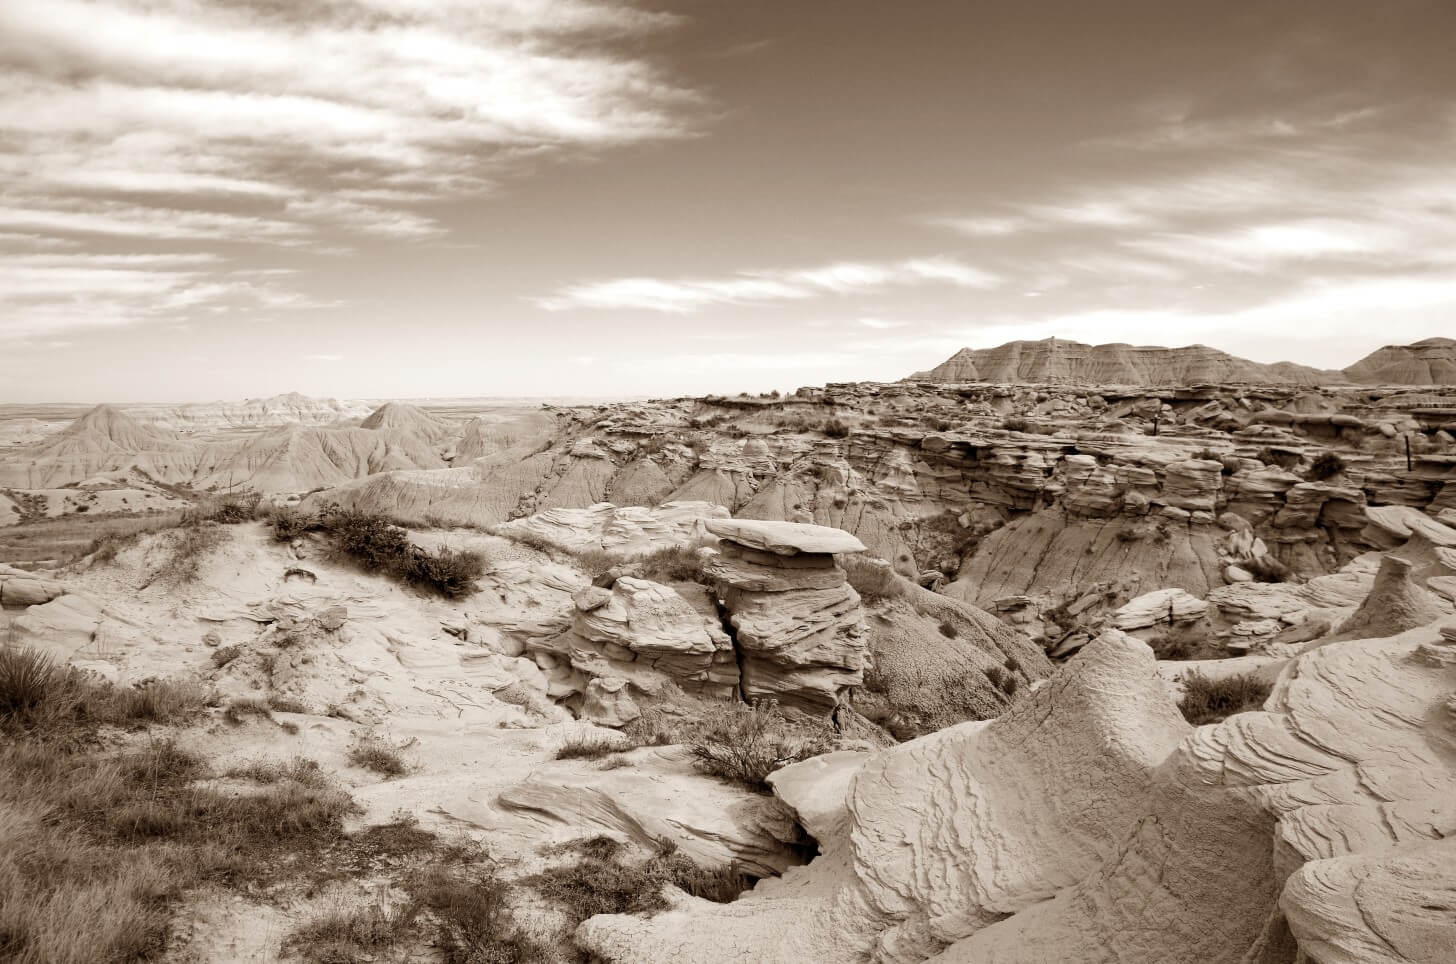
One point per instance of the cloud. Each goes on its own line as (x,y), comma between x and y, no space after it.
(305,125)
(324,358)
(41,294)
(686,295)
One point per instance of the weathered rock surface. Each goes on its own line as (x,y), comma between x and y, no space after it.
(798,626)
(1090,824)
(644,633)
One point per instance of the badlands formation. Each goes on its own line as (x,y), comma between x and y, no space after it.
(980,606)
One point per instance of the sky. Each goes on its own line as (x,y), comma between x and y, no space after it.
(422,198)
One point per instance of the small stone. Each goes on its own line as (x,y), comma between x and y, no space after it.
(332,618)
(212,639)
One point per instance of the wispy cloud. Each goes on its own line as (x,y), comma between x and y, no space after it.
(128,120)
(678,296)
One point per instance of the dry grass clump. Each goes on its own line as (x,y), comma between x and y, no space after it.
(744,744)
(344,936)
(834,428)
(300,770)
(1207,700)
(591,746)
(36,693)
(657,727)
(602,880)
(372,753)
(874,580)
(96,848)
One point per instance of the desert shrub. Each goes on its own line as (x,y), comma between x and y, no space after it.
(1267,569)
(1283,460)
(289,523)
(872,579)
(1009,684)
(372,753)
(949,630)
(1016,424)
(1012,664)
(239,710)
(591,746)
(744,744)
(191,544)
(229,509)
(672,564)
(1207,700)
(284,704)
(1326,465)
(997,675)
(834,428)
(1128,534)
(472,918)
(376,545)
(1172,646)
(603,880)
(1208,455)
(225,654)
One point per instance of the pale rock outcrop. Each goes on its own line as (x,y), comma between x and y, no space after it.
(63,627)
(1017,810)
(1395,604)
(798,626)
(644,633)
(608,702)
(658,796)
(20,587)
(628,530)
(1089,824)
(1193,485)
(785,538)
(1162,606)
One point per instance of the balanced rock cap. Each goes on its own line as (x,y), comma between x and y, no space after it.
(784,538)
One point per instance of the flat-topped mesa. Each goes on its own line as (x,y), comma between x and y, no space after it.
(798,625)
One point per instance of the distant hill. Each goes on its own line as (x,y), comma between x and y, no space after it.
(1428,362)
(1057,361)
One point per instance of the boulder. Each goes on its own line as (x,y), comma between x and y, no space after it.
(608,702)
(1159,606)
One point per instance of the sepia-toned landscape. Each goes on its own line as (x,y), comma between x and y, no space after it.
(646,482)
